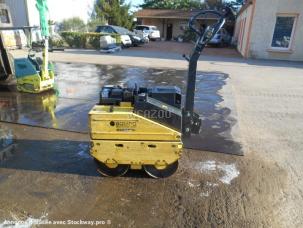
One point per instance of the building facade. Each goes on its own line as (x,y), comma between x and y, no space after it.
(271,29)
(24,12)
(173,23)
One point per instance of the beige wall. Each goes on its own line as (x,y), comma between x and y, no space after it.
(177,26)
(242,30)
(263,28)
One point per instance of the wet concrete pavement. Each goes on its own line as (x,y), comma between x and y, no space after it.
(77,91)
(51,177)
(261,189)
(44,154)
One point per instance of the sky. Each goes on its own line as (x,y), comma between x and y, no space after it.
(135,2)
(63,9)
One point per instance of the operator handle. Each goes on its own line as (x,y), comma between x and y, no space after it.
(191,122)
(210,31)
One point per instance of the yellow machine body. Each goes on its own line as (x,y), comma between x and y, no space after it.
(35,83)
(32,76)
(120,136)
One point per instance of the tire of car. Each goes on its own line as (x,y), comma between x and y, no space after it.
(151,39)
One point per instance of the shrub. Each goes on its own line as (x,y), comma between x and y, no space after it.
(57,41)
(93,40)
(86,40)
(74,39)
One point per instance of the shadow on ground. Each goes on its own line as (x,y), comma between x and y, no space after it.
(54,156)
(218,114)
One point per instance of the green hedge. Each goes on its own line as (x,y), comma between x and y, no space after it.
(86,40)
(57,42)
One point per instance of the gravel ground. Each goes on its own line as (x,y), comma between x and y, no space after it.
(185,48)
(264,188)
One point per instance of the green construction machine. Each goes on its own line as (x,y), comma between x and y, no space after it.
(19,62)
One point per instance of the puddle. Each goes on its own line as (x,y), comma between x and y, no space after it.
(84,151)
(78,87)
(7,144)
(57,156)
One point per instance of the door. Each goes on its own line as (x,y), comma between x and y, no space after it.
(169,32)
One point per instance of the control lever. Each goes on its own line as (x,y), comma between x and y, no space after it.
(191,122)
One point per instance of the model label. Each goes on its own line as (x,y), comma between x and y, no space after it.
(126,125)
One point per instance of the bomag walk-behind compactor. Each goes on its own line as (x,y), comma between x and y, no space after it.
(18,61)
(135,128)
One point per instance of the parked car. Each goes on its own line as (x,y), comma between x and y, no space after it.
(128,38)
(142,34)
(136,39)
(125,39)
(222,38)
(152,31)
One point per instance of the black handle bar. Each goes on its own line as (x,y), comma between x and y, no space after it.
(205,12)
(190,121)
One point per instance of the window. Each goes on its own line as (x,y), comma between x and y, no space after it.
(283,33)
(4,16)
(139,28)
(99,29)
(104,29)
(107,29)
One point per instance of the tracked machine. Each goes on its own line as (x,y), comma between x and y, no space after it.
(143,128)
(19,62)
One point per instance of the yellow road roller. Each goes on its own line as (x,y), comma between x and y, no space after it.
(142,128)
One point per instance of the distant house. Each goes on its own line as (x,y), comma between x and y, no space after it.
(271,29)
(24,12)
(172,23)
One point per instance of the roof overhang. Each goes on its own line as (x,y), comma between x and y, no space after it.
(172,17)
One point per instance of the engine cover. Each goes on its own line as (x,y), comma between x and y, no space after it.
(161,104)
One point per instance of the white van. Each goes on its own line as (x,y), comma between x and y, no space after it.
(151,31)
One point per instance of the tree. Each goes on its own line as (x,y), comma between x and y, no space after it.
(172,4)
(74,24)
(114,12)
(93,23)
(219,4)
